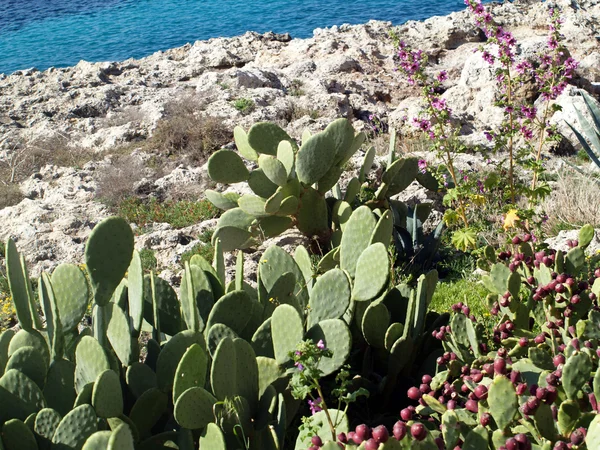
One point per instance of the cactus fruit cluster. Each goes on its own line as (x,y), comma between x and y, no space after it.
(289,183)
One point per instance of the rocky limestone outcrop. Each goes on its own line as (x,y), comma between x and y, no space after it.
(345,71)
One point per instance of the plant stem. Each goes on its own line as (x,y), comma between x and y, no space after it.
(326,411)
(511,136)
(540,144)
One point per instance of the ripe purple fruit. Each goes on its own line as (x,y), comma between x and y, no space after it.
(406,414)
(480,392)
(558,360)
(342,438)
(471,405)
(418,431)
(500,366)
(511,444)
(577,436)
(363,432)
(316,441)
(485,419)
(523,341)
(371,444)
(414,393)
(380,434)
(399,430)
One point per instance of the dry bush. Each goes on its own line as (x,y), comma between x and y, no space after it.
(10,195)
(574,202)
(185,131)
(118,181)
(57,151)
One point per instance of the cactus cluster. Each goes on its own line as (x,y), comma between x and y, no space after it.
(290,183)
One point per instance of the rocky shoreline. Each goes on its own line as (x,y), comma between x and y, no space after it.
(345,71)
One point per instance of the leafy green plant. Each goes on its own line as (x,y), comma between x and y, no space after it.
(148,259)
(178,214)
(244,105)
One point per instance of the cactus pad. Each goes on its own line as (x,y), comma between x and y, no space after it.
(262,342)
(147,410)
(226,166)
(312,214)
(194,408)
(107,398)
(372,271)
(212,438)
(29,362)
(287,331)
(17,436)
(32,338)
(59,390)
(191,371)
(171,354)
(241,142)
(503,401)
(5,338)
(315,158)
(46,422)
(273,169)
(356,237)
(330,297)
(216,334)
(75,428)
(233,309)
(71,293)
(119,334)
(167,306)
(375,323)
(337,338)
(140,378)
(91,360)
(264,137)
(576,372)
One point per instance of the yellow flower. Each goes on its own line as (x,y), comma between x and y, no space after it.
(511,219)
(478,200)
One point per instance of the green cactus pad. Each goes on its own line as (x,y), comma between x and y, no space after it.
(75,428)
(18,286)
(121,438)
(372,271)
(91,360)
(289,206)
(17,436)
(119,296)
(287,331)
(274,226)
(116,422)
(241,142)
(262,341)
(366,164)
(568,415)
(264,137)
(576,372)
(107,398)
(30,362)
(400,175)
(273,169)
(302,258)
(341,213)
(268,373)
(167,306)
(503,401)
(234,371)
(544,421)
(71,293)
(392,334)
(216,334)
(400,354)
(140,378)
(330,179)
(147,410)
(194,408)
(285,154)
(171,354)
(321,425)
(574,260)
(97,441)
(274,202)
(356,237)
(212,438)
(260,184)
(253,205)
(337,338)
(53,323)
(233,309)
(111,240)
(135,293)
(383,230)
(191,371)
(219,266)
(476,439)
(196,297)
(341,132)
(312,214)
(375,323)
(5,338)
(592,438)
(226,166)
(330,297)
(586,235)
(222,201)
(273,264)
(59,390)
(32,338)
(315,158)
(119,335)
(85,395)
(46,422)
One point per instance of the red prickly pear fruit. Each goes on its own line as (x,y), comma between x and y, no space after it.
(363,432)
(480,392)
(558,360)
(399,430)
(316,440)
(371,444)
(511,444)
(451,404)
(414,393)
(418,431)
(380,434)
(342,438)
(500,366)
(406,414)
(485,419)
(313,447)
(577,436)
(561,445)
(523,342)
(471,405)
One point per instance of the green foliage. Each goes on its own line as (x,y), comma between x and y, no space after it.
(179,214)
(244,105)
(148,259)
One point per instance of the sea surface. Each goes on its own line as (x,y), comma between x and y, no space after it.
(59,33)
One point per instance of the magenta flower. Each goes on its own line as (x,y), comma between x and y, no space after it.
(315,406)
(422,165)
(321,344)
(442,76)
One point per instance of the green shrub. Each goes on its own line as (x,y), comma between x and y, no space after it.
(203,248)
(244,105)
(148,259)
(178,214)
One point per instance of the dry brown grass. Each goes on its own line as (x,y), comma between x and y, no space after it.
(117,181)
(10,195)
(185,131)
(575,201)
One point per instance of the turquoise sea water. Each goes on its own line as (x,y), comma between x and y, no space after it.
(45,33)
